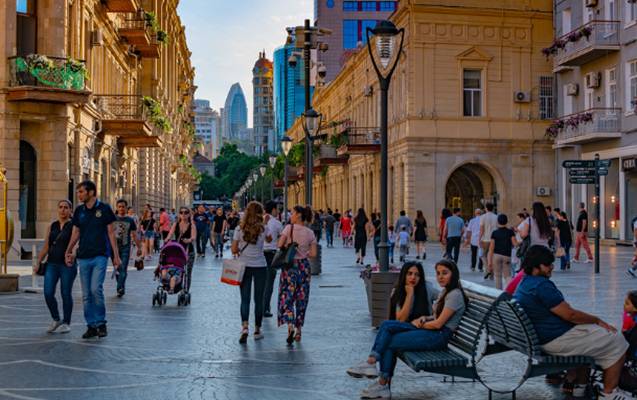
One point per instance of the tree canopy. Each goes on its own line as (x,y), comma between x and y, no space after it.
(231,170)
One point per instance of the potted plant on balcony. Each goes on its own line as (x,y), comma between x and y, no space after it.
(162,36)
(155,114)
(151,20)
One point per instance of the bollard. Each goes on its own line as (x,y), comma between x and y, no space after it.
(315,263)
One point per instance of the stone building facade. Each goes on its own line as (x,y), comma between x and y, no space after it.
(98,90)
(263,111)
(466,121)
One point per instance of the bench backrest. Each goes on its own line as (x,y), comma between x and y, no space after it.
(509,325)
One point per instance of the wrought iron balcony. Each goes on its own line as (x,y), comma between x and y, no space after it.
(136,32)
(587,43)
(120,5)
(125,116)
(328,156)
(588,126)
(38,77)
(360,140)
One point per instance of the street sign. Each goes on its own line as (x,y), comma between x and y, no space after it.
(603,163)
(581,180)
(585,163)
(602,171)
(581,172)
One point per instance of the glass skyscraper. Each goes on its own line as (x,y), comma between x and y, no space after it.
(235,113)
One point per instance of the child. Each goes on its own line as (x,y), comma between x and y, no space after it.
(391,236)
(403,242)
(629,325)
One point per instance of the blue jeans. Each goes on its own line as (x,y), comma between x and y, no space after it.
(92,274)
(218,238)
(395,336)
(391,250)
(124,255)
(329,237)
(566,258)
(66,276)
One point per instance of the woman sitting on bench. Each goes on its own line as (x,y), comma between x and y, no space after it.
(423,333)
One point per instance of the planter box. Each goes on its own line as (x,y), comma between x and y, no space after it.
(9,283)
(378,288)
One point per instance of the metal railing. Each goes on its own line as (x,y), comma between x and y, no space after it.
(52,72)
(363,135)
(594,33)
(120,107)
(594,120)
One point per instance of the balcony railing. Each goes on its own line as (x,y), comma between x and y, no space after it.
(587,43)
(120,107)
(360,140)
(121,5)
(41,78)
(125,116)
(328,155)
(136,32)
(589,126)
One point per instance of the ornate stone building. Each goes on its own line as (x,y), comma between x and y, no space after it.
(97,90)
(468,109)
(263,115)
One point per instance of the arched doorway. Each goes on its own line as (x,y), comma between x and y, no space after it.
(469,187)
(28,190)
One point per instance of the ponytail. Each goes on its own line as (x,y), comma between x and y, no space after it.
(304,212)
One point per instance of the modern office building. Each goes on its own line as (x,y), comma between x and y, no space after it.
(263,115)
(595,55)
(208,128)
(235,113)
(289,91)
(348,21)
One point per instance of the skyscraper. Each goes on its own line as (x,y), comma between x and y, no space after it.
(263,122)
(348,21)
(208,128)
(289,93)
(235,113)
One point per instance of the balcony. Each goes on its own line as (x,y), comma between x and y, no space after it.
(328,156)
(150,50)
(125,116)
(293,175)
(587,43)
(587,126)
(360,141)
(47,79)
(120,6)
(135,32)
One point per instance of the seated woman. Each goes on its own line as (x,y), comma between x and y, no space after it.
(423,333)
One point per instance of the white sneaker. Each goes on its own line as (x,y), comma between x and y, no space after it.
(579,391)
(363,370)
(378,391)
(589,261)
(258,335)
(53,326)
(64,328)
(616,394)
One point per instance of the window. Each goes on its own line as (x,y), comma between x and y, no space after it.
(566,21)
(368,6)
(588,12)
(350,6)
(631,12)
(610,10)
(350,33)
(364,25)
(631,84)
(472,92)
(611,88)
(546,97)
(387,6)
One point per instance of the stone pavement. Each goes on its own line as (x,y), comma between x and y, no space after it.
(193,352)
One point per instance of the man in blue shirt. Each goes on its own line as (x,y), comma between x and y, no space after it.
(565,331)
(202,223)
(93,227)
(452,235)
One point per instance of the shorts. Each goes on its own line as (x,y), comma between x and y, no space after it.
(590,340)
(174,272)
(149,234)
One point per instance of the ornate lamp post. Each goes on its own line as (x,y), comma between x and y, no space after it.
(262,171)
(311,126)
(286,146)
(386,53)
(272,161)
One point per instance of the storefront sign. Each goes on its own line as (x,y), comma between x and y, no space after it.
(629,164)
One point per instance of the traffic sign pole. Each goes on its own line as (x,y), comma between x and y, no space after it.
(597,215)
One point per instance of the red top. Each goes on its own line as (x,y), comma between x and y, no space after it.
(628,322)
(346,224)
(510,289)
(164,222)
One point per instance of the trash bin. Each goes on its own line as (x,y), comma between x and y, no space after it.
(315,263)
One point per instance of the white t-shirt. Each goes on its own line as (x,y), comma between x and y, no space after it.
(251,254)
(403,238)
(474,228)
(273,228)
(490,223)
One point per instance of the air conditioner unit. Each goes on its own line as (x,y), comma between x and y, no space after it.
(572,89)
(368,91)
(522,97)
(591,3)
(593,80)
(97,38)
(542,191)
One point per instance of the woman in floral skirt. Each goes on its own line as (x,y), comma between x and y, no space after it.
(294,284)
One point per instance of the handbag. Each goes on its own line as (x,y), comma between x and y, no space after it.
(233,270)
(42,266)
(139,264)
(524,246)
(284,257)
(560,252)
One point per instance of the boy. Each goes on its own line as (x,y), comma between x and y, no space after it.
(391,238)
(403,242)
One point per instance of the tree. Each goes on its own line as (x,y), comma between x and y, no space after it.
(231,170)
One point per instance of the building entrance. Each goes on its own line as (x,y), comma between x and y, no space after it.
(469,187)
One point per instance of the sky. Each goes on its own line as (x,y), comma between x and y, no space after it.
(226,36)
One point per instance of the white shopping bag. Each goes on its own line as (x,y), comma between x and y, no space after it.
(232,272)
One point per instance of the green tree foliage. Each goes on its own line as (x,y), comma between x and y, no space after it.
(231,170)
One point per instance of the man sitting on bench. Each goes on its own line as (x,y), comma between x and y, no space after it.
(565,331)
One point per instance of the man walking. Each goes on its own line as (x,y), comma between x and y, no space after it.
(581,239)
(488,223)
(473,239)
(93,227)
(329,222)
(219,227)
(633,263)
(202,223)
(273,229)
(125,233)
(454,228)
(403,220)
(164,224)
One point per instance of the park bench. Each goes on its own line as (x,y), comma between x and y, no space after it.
(493,323)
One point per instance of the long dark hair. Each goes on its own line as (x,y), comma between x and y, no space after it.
(421,300)
(252,225)
(542,220)
(446,213)
(304,212)
(453,284)
(420,217)
(361,217)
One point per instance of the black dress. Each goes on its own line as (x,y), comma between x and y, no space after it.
(360,238)
(421,231)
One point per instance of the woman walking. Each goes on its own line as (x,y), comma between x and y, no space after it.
(148,231)
(444,214)
(59,235)
(537,226)
(316,226)
(294,283)
(376,232)
(564,232)
(247,246)
(185,232)
(420,234)
(360,235)
(346,229)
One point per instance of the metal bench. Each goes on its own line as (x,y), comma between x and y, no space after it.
(493,323)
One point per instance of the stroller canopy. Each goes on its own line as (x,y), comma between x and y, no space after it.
(173,254)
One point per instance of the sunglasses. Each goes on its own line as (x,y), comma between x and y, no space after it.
(184,212)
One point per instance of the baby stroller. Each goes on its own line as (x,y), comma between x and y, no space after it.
(173,260)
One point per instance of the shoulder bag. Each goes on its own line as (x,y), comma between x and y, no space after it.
(524,246)
(284,257)
(233,270)
(42,266)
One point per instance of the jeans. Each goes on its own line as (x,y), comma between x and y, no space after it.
(329,237)
(391,250)
(259,275)
(376,249)
(475,259)
(396,336)
(269,282)
(453,245)
(66,276)
(122,271)
(202,240)
(92,274)
(566,258)
(218,239)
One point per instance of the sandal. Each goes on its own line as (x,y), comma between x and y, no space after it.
(297,337)
(244,336)
(290,338)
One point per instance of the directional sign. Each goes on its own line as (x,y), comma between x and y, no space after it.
(602,171)
(603,163)
(580,181)
(581,172)
(585,163)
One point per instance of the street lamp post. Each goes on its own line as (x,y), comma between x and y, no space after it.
(255,178)
(311,126)
(286,145)
(262,170)
(249,189)
(387,55)
(272,160)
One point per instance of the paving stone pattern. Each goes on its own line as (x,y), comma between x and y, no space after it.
(193,353)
